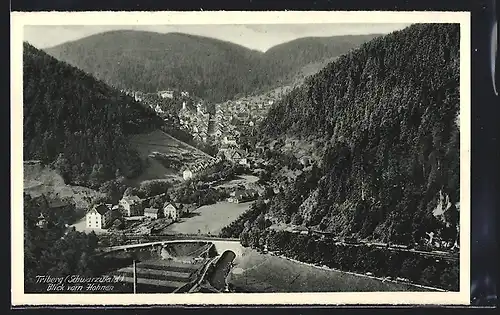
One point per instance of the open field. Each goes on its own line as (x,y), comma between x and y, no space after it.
(255,272)
(40,180)
(209,219)
(158,141)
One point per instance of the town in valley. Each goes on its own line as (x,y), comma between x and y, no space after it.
(178,163)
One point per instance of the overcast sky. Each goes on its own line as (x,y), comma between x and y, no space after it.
(254,36)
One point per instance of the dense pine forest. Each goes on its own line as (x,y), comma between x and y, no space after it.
(54,251)
(79,123)
(387,117)
(283,61)
(212,69)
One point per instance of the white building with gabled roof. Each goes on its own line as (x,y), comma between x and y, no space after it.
(99,217)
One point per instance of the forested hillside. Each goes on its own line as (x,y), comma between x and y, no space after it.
(78,122)
(387,117)
(285,60)
(56,250)
(212,69)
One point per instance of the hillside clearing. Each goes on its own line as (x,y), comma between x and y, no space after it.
(40,180)
(158,141)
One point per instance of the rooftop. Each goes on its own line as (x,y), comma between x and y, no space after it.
(101,208)
(131,198)
(151,210)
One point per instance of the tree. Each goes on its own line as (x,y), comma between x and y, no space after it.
(410,269)
(429,275)
(131,191)
(112,190)
(62,165)
(261,222)
(96,175)
(449,279)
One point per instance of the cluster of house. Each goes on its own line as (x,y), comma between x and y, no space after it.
(138,96)
(170,210)
(54,204)
(171,94)
(243,195)
(198,122)
(221,126)
(166,94)
(234,155)
(247,111)
(102,215)
(142,97)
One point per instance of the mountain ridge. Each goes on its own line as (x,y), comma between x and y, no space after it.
(211,68)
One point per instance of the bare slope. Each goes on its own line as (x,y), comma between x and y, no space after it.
(40,180)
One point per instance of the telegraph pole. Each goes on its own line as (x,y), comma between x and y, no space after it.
(135,278)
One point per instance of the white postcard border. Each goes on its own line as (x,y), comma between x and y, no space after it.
(20,19)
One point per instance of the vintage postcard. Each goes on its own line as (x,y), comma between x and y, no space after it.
(278,158)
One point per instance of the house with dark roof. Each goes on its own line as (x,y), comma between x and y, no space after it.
(99,217)
(235,155)
(50,202)
(243,195)
(229,140)
(42,222)
(130,206)
(305,160)
(153,213)
(172,210)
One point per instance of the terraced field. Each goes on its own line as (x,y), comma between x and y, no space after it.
(162,275)
(161,269)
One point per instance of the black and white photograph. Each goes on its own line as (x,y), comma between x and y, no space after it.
(261,155)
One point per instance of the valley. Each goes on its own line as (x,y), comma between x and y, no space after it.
(333,170)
